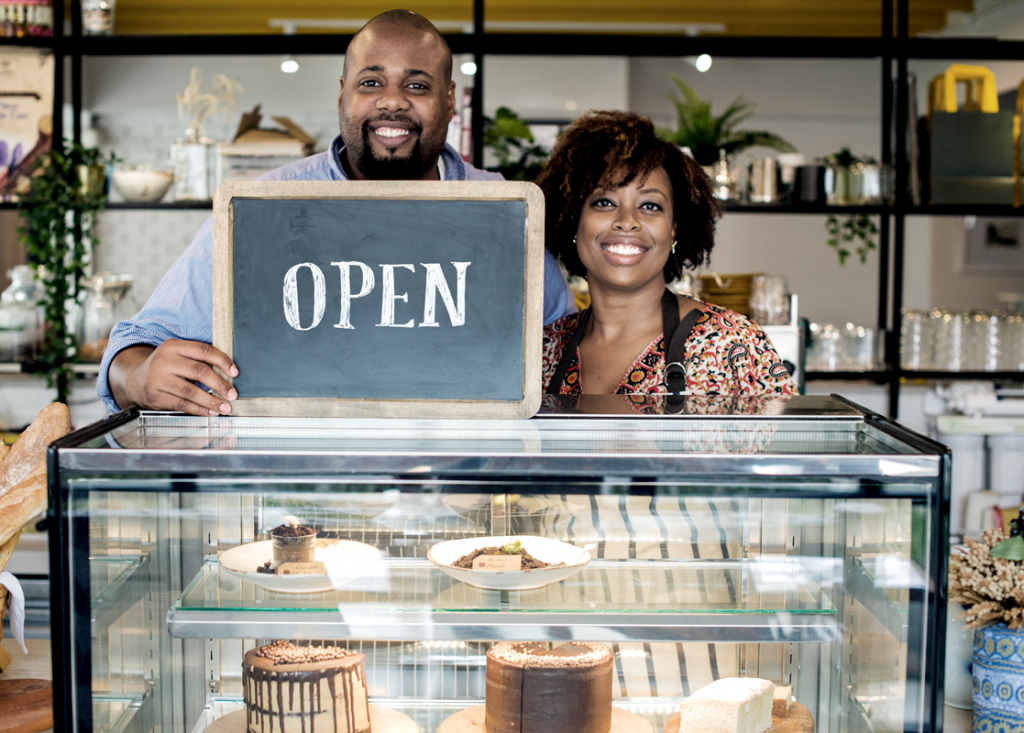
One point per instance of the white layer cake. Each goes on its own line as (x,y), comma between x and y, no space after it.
(780,703)
(733,704)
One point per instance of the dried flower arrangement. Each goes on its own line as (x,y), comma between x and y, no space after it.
(195,105)
(987,578)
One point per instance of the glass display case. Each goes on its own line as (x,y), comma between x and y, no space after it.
(797,540)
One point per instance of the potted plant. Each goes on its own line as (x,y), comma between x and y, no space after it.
(191,156)
(705,134)
(510,139)
(852,180)
(986,577)
(59,214)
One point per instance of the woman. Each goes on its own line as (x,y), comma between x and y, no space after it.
(629,211)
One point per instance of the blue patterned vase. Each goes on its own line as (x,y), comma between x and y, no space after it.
(998,680)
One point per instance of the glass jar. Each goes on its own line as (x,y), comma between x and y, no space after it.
(984,341)
(950,344)
(293,544)
(916,340)
(106,302)
(1011,358)
(21,316)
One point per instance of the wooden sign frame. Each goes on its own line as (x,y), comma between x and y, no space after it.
(533,293)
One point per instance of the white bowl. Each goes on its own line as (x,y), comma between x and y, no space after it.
(148,186)
(344,561)
(443,554)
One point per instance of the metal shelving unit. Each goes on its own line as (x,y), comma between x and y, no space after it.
(893,48)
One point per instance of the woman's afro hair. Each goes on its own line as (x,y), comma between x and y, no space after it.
(610,149)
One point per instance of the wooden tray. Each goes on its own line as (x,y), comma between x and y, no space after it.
(382,720)
(471,720)
(27,706)
(799,720)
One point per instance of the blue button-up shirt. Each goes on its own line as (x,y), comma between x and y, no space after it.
(182,305)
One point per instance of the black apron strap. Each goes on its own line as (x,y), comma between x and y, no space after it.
(555,385)
(669,315)
(675,350)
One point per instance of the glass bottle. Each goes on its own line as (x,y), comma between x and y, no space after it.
(104,305)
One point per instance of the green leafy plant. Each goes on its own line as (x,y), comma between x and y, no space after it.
(845,158)
(705,133)
(60,212)
(510,139)
(852,228)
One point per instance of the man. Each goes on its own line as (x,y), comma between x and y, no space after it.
(396,101)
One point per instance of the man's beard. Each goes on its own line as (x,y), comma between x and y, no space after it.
(392,167)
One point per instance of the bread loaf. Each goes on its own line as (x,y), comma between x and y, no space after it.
(4,600)
(29,452)
(21,503)
(7,548)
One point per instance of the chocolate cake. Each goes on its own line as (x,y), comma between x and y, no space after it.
(305,689)
(534,689)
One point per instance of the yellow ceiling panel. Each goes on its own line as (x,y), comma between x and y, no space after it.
(740,17)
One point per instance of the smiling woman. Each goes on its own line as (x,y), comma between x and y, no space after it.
(629,211)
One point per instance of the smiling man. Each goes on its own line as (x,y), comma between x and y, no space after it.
(397,98)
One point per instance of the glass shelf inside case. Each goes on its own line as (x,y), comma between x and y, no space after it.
(769,600)
(114,714)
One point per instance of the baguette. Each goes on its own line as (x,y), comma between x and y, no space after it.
(29,452)
(21,503)
(3,613)
(7,549)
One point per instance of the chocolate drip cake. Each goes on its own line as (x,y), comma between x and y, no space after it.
(305,689)
(534,689)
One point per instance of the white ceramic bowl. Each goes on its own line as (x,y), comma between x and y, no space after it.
(141,185)
(344,561)
(443,554)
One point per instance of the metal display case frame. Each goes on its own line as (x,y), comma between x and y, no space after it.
(862,456)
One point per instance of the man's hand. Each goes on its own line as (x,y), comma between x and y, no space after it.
(162,378)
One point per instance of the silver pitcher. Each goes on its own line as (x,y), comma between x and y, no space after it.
(764,182)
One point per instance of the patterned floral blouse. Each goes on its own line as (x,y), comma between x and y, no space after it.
(726,354)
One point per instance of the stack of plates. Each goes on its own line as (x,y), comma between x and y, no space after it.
(728,291)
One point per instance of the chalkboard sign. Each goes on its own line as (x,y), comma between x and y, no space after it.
(380,299)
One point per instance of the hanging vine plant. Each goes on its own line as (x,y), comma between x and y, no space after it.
(60,212)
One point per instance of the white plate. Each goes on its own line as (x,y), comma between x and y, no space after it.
(345,560)
(443,554)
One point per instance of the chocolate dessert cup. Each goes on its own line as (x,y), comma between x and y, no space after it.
(293,544)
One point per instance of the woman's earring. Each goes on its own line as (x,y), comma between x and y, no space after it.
(674,243)
(574,239)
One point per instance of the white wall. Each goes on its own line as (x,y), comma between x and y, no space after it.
(819,106)
(555,87)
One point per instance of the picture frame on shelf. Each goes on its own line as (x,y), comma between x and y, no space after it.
(993,246)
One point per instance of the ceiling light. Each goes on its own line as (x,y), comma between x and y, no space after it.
(570,104)
(468,68)
(703,62)
(289,65)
